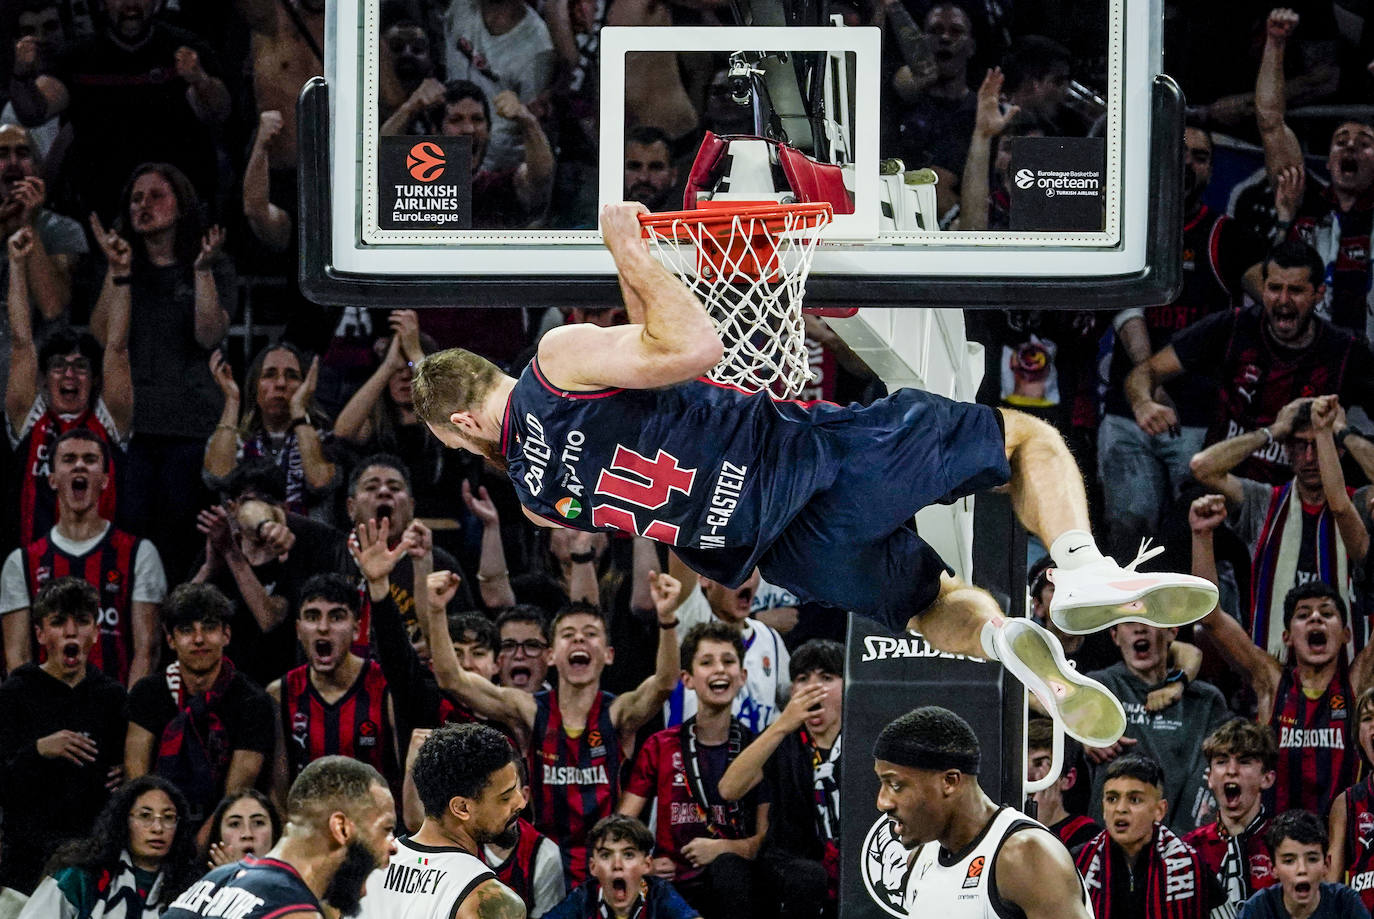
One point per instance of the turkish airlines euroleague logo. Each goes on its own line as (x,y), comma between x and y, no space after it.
(425,161)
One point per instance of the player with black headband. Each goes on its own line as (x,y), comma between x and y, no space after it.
(927,766)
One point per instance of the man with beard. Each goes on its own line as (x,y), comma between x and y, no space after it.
(340,821)
(1306,700)
(124,568)
(65,382)
(336,703)
(927,767)
(1260,359)
(58,242)
(138,91)
(62,736)
(1142,473)
(1337,220)
(507,197)
(412,73)
(1307,529)
(646,445)
(200,724)
(466,778)
(650,175)
(527,861)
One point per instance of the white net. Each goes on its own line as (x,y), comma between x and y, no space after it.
(749,268)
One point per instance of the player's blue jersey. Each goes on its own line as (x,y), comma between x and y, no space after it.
(818,496)
(697,465)
(254,888)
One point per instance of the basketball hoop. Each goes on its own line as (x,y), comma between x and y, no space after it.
(749,268)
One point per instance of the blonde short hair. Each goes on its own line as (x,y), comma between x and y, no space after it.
(451,381)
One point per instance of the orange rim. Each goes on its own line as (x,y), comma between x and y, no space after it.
(773,216)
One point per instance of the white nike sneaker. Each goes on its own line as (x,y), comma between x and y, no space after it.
(1104,594)
(1086,709)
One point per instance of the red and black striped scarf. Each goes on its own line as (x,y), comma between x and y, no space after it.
(193,752)
(1173,885)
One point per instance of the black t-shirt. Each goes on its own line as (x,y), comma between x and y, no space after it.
(1216,253)
(1256,378)
(129,106)
(793,821)
(47,801)
(263,657)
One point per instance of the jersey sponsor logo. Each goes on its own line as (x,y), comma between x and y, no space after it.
(883,647)
(575,775)
(884,868)
(568,507)
(974,873)
(1364,826)
(537,451)
(1362,881)
(568,459)
(204,898)
(408,879)
(724,500)
(1325,738)
(300,728)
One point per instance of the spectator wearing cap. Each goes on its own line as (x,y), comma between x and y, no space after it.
(200,724)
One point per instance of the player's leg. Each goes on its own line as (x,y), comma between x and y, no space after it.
(966,620)
(1091,591)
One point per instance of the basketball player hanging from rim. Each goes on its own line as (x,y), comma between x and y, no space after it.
(618,428)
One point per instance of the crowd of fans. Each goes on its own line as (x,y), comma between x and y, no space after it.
(214,574)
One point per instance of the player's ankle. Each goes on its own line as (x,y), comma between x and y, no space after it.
(1075,549)
(986,639)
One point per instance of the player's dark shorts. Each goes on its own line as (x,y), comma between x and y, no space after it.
(854,545)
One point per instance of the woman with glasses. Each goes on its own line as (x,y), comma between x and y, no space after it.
(137,859)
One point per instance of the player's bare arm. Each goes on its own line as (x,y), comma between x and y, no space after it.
(632,710)
(1258,668)
(676,341)
(1034,872)
(491,900)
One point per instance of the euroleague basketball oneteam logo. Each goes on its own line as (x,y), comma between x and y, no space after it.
(425,161)
(884,867)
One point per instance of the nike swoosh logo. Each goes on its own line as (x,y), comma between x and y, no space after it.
(1076,548)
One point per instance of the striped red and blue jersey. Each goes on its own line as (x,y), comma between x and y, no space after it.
(37,501)
(108,566)
(1317,757)
(356,724)
(574,782)
(1359,840)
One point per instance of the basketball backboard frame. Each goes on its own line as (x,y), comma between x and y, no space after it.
(1140,268)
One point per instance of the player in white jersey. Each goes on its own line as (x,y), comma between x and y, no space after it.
(972,859)
(466,779)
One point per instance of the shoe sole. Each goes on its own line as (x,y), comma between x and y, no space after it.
(1167,606)
(1088,712)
